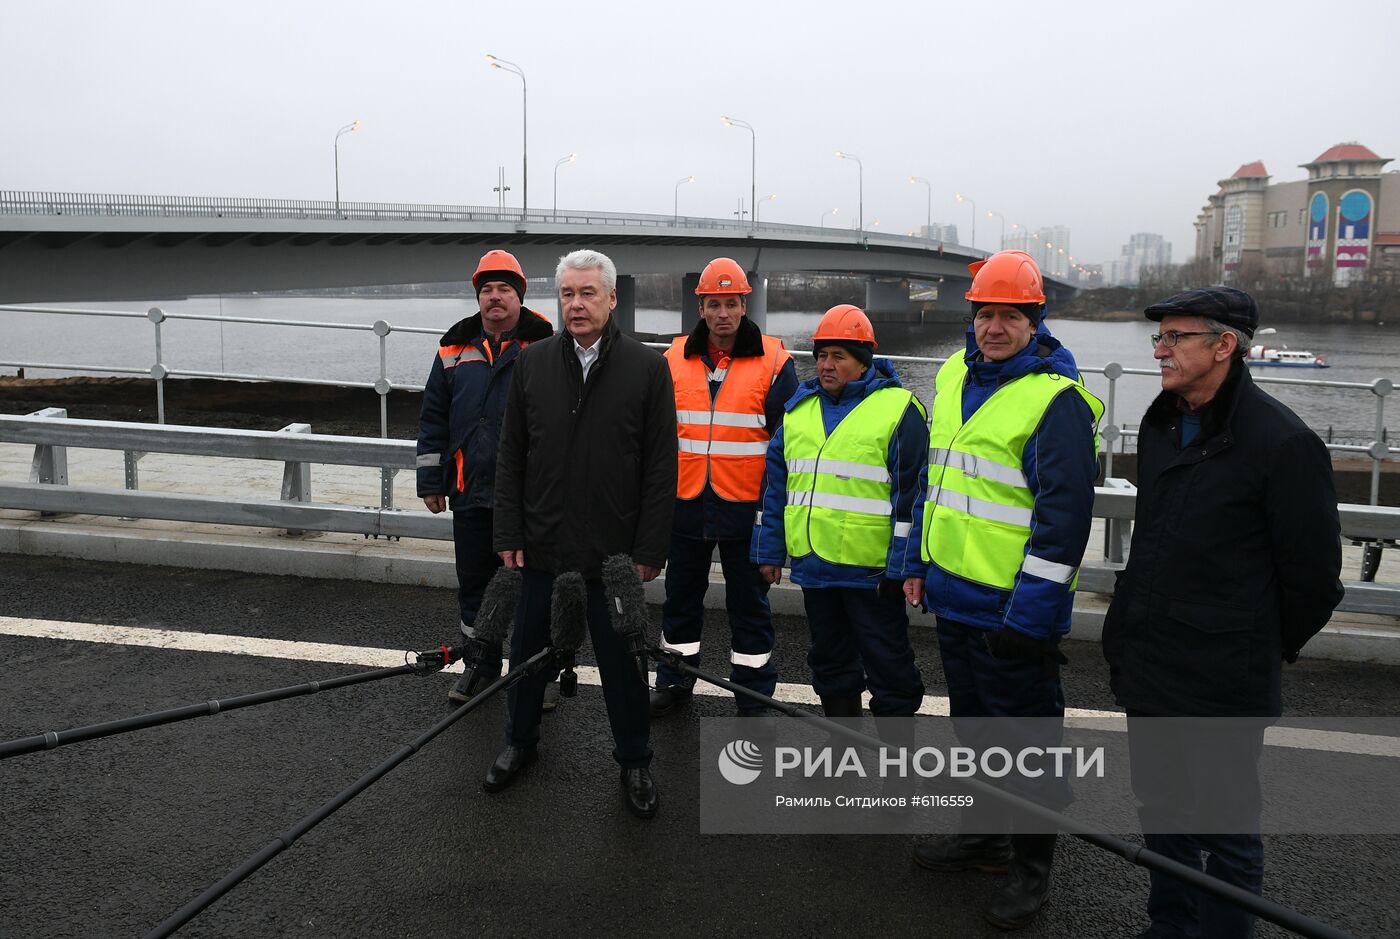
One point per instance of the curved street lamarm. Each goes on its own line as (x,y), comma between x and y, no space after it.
(962,198)
(860,167)
(508,66)
(991,214)
(928,226)
(753,157)
(347,129)
(759,203)
(562,161)
(832,212)
(676,208)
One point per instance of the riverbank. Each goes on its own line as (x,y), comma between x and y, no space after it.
(354,412)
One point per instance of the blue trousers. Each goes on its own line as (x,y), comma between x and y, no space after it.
(746,599)
(476,565)
(980,685)
(1177,765)
(624,686)
(860,641)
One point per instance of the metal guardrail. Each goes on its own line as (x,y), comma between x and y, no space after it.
(1113,434)
(51,433)
(19,202)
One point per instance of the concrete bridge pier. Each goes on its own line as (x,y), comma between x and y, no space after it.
(757,308)
(951,298)
(888,299)
(625,313)
(690,303)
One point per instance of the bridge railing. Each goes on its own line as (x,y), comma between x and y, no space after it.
(1113,434)
(52,433)
(31,203)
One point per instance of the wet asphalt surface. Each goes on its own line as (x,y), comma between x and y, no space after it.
(108,837)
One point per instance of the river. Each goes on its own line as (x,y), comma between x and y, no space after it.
(1356,353)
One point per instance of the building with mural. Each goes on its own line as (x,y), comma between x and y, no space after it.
(1340,222)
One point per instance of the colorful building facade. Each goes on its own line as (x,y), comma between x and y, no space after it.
(1340,223)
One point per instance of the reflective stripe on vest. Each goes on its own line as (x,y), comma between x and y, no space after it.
(978,512)
(723,442)
(838,487)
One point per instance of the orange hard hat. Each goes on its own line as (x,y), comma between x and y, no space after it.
(722,275)
(500,262)
(845,322)
(1006,277)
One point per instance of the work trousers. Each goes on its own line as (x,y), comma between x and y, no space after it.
(1183,770)
(476,565)
(746,599)
(624,686)
(861,641)
(980,685)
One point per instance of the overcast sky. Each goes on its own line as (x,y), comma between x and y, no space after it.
(1109,117)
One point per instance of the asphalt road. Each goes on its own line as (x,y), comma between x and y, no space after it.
(108,837)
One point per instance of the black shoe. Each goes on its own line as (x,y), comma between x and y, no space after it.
(639,792)
(988,853)
(1018,900)
(473,680)
(511,762)
(665,700)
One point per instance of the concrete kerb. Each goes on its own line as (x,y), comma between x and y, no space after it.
(422,563)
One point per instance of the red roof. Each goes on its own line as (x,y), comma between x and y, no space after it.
(1251,169)
(1346,151)
(1388,239)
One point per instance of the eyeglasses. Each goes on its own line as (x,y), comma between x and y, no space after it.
(1172,336)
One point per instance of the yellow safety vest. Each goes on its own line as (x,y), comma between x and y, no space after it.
(839,487)
(977,516)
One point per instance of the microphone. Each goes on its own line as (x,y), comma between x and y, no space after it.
(627,605)
(493,619)
(568,621)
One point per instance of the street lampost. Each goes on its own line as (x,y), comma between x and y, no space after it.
(961,198)
(928,227)
(991,214)
(832,212)
(676,207)
(514,69)
(558,163)
(759,204)
(842,155)
(753,156)
(347,129)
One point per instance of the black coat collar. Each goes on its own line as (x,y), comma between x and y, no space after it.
(531,328)
(748,342)
(1219,414)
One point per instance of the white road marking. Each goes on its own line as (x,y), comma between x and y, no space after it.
(1292,737)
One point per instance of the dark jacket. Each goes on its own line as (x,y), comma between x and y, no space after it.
(463,404)
(1060,464)
(907,459)
(708,515)
(587,469)
(1235,558)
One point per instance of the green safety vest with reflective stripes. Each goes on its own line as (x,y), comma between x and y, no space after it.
(977,516)
(838,488)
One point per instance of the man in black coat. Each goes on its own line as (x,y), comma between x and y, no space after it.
(1234,566)
(586,470)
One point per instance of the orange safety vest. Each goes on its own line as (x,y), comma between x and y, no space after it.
(724,441)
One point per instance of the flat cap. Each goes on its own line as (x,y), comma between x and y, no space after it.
(1222,304)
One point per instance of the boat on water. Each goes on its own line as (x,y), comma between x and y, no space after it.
(1285,357)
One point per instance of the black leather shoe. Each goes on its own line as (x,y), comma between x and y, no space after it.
(988,853)
(1018,900)
(665,700)
(471,681)
(511,762)
(639,792)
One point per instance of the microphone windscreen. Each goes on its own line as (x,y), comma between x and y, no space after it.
(497,610)
(568,612)
(626,600)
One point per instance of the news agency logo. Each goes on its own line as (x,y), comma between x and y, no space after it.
(740,762)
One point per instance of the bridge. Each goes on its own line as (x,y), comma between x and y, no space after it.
(81,246)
